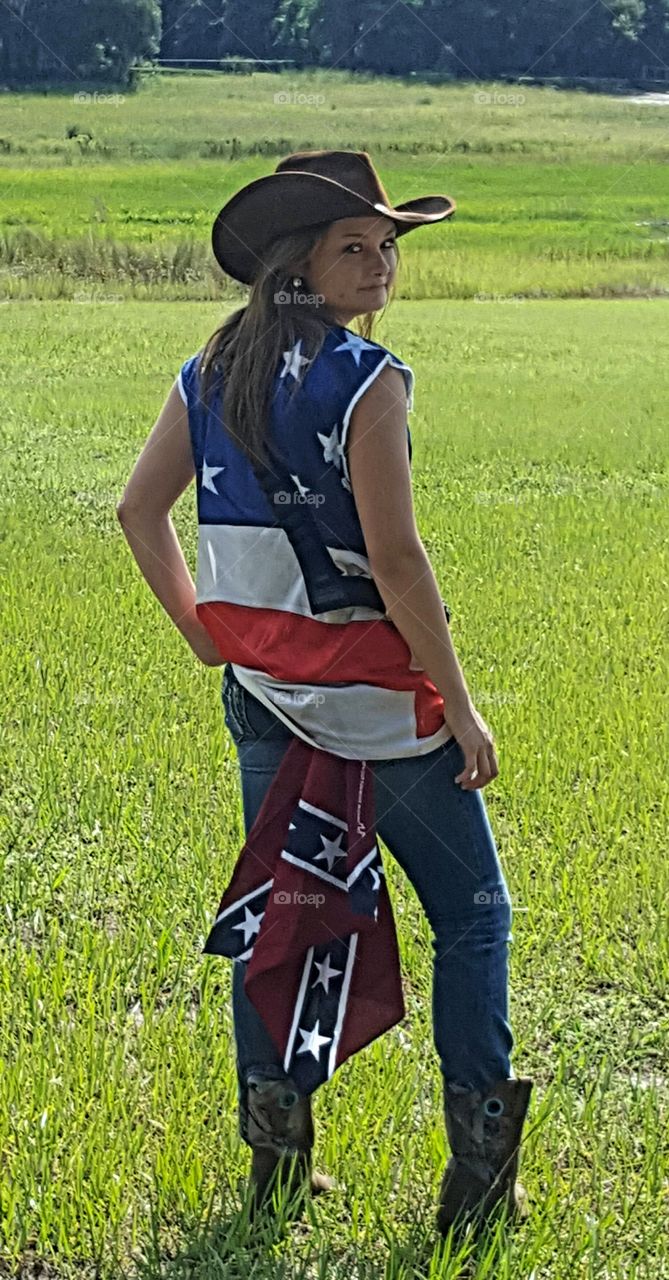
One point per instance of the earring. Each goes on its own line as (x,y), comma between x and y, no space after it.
(297,281)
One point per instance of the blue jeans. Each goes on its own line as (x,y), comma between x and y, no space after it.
(442,839)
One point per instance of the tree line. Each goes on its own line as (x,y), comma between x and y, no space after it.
(59,40)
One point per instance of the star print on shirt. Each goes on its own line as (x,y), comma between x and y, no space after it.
(302,487)
(325,972)
(312,1040)
(293,360)
(250,924)
(331,850)
(332,449)
(208,474)
(355,346)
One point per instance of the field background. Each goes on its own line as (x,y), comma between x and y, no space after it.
(558,194)
(540,474)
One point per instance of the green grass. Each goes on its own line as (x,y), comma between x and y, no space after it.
(176,117)
(540,471)
(558,194)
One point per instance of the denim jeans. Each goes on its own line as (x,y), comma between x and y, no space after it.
(441,837)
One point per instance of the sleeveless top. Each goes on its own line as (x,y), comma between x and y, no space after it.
(296,612)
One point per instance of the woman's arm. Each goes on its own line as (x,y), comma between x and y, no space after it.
(162,472)
(378,461)
(378,464)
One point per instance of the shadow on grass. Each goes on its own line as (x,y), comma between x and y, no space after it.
(301,1239)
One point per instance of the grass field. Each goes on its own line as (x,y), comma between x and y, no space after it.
(558,194)
(540,480)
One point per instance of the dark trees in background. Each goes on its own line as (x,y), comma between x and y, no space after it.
(59,40)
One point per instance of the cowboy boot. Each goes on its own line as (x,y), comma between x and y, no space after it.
(281,1135)
(484,1128)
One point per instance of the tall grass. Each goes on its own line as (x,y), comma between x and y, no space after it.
(559,194)
(540,473)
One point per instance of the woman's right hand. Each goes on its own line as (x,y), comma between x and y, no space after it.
(474,737)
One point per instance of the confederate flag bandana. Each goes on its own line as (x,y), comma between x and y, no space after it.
(308,907)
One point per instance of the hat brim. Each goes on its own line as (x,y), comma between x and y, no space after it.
(280,202)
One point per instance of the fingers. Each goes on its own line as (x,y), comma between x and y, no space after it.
(481,767)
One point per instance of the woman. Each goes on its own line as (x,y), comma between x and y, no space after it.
(314,586)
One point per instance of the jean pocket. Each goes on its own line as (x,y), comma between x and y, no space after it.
(248,719)
(234,709)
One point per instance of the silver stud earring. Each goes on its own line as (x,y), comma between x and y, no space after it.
(297,281)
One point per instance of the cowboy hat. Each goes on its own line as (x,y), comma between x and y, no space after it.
(307,188)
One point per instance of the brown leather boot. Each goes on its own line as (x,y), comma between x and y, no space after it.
(281,1135)
(484,1128)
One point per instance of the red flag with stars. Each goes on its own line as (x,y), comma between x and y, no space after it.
(308,908)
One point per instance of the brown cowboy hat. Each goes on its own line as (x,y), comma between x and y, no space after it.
(307,188)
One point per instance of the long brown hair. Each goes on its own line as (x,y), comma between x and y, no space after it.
(243,354)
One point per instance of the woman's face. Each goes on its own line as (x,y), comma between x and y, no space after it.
(353,265)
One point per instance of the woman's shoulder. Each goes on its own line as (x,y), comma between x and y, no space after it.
(340,339)
(366,357)
(187,376)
